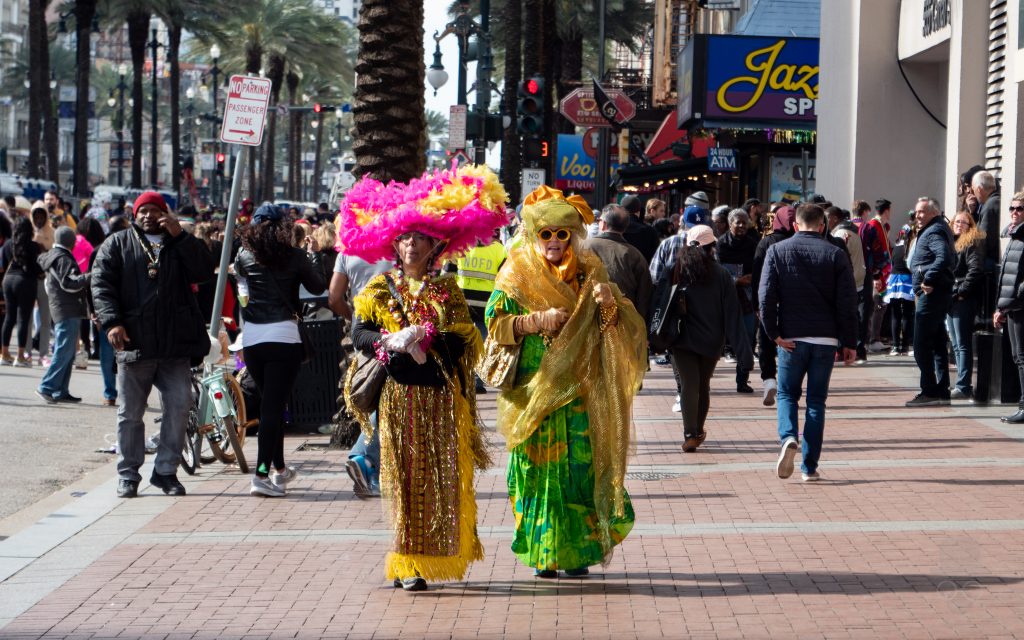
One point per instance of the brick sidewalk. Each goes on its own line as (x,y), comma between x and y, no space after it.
(917,531)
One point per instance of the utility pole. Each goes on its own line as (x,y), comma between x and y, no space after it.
(601,188)
(154,145)
(484,66)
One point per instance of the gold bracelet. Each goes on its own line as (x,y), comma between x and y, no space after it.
(609,314)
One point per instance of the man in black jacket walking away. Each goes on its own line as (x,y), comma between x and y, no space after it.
(142,292)
(931,268)
(808,305)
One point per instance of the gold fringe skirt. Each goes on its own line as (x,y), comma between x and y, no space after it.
(427,459)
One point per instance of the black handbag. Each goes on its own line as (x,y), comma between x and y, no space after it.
(668,316)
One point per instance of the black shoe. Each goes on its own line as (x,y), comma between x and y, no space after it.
(1016,418)
(414,584)
(68,398)
(45,397)
(743,387)
(127,488)
(547,574)
(169,484)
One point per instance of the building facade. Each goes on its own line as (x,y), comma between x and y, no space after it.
(915,92)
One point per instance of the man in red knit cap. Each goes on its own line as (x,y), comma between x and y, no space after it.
(142,292)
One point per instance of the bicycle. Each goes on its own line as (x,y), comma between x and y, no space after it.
(216,419)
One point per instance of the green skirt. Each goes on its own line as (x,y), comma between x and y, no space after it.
(551,486)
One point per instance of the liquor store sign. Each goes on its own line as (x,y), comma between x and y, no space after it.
(750,78)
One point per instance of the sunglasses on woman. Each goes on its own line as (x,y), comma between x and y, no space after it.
(1017,208)
(561,235)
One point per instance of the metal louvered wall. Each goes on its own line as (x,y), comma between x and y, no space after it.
(996,75)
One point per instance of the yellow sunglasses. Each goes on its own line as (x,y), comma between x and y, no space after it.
(561,235)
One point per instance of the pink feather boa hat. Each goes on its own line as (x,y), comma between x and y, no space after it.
(463,206)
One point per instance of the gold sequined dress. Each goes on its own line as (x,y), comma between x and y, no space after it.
(430,438)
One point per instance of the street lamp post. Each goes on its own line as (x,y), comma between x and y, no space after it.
(122,71)
(214,72)
(190,109)
(463,27)
(153,45)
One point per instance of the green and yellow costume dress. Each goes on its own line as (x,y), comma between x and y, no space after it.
(567,421)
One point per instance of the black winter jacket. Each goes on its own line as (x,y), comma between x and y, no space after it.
(988,221)
(65,284)
(643,237)
(712,315)
(161,316)
(274,293)
(1011,272)
(766,243)
(807,291)
(969,271)
(934,258)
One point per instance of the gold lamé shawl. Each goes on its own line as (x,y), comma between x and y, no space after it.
(605,369)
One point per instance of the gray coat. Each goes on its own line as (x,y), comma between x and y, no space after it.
(626,268)
(65,284)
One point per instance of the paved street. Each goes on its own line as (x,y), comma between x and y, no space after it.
(916,531)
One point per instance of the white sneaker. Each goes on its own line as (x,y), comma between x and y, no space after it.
(677,407)
(284,477)
(784,467)
(770,389)
(810,477)
(264,487)
(876,346)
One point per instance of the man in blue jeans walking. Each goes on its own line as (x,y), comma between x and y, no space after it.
(65,286)
(808,306)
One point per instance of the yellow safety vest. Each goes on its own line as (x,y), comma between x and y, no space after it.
(477,270)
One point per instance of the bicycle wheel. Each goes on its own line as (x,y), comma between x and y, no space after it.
(241,424)
(236,446)
(189,453)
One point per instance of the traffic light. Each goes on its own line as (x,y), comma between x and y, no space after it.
(220,164)
(316,107)
(530,106)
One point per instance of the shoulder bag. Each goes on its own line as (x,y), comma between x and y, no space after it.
(367,374)
(668,316)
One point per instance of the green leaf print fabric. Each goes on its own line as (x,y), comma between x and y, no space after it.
(551,478)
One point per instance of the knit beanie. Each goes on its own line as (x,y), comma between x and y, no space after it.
(65,237)
(150,197)
(698,199)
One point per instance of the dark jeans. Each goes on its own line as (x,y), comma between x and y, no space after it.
(813,363)
(930,350)
(274,366)
(1015,329)
(19,297)
(865,308)
(695,373)
(960,325)
(766,354)
(902,312)
(750,324)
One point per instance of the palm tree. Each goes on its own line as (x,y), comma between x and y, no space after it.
(389,105)
(199,18)
(85,12)
(511,149)
(280,35)
(37,77)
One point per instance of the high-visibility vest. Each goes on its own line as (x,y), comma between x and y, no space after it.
(477,270)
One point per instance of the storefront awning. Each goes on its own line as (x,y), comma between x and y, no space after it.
(662,176)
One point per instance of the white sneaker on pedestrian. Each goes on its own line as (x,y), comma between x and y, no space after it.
(876,347)
(677,407)
(814,476)
(784,467)
(264,487)
(770,388)
(284,477)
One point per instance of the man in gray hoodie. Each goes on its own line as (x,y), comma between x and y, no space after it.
(65,286)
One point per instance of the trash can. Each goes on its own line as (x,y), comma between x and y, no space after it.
(315,396)
(996,379)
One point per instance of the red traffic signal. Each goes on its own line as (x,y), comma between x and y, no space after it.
(531,87)
(220,158)
(316,107)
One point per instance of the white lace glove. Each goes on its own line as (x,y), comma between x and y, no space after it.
(404,340)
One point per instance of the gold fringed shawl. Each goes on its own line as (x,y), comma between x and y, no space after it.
(604,369)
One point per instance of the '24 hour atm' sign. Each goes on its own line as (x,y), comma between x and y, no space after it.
(749,78)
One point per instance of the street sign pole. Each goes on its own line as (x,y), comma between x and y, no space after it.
(245,113)
(601,188)
(225,251)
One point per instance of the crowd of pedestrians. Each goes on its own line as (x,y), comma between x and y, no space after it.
(554,297)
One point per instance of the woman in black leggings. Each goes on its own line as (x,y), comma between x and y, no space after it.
(272,270)
(21,280)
